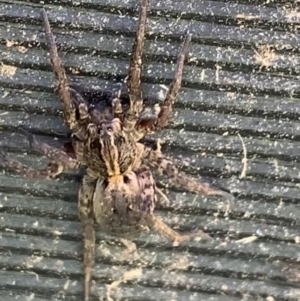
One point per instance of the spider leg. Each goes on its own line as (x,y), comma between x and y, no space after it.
(165,166)
(85,209)
(175,86)
(51,152)
(135,67)
(156,224)
(60,160)
(152,124)
(50,172)
(66,93)
(145,207)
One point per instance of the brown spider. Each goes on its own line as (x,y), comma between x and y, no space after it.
(118,192)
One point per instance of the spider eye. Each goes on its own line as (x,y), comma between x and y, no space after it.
(109,129)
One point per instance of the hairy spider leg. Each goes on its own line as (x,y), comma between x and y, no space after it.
(153,124)
(135,69)
(60,160)
(85,209)
(69,96)
(166,167)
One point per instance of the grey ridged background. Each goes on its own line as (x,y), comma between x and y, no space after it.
(225,92)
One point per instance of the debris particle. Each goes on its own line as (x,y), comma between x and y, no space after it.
(10,43)
(247,17)
(244,160)
(292,15)
(127,276)
(264,55)
(218,68)
(67,284)
(7,70)
(22,49)
(74,71)
(247,240)
(202,76)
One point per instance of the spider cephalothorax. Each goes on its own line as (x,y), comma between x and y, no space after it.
(109,150)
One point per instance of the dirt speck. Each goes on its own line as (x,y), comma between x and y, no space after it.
(127,276)
(247,17)
(264,55)
(7,70)
(15,44)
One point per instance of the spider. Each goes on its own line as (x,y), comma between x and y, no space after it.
(118,192)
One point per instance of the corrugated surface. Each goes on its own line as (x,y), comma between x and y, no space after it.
(227,90)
